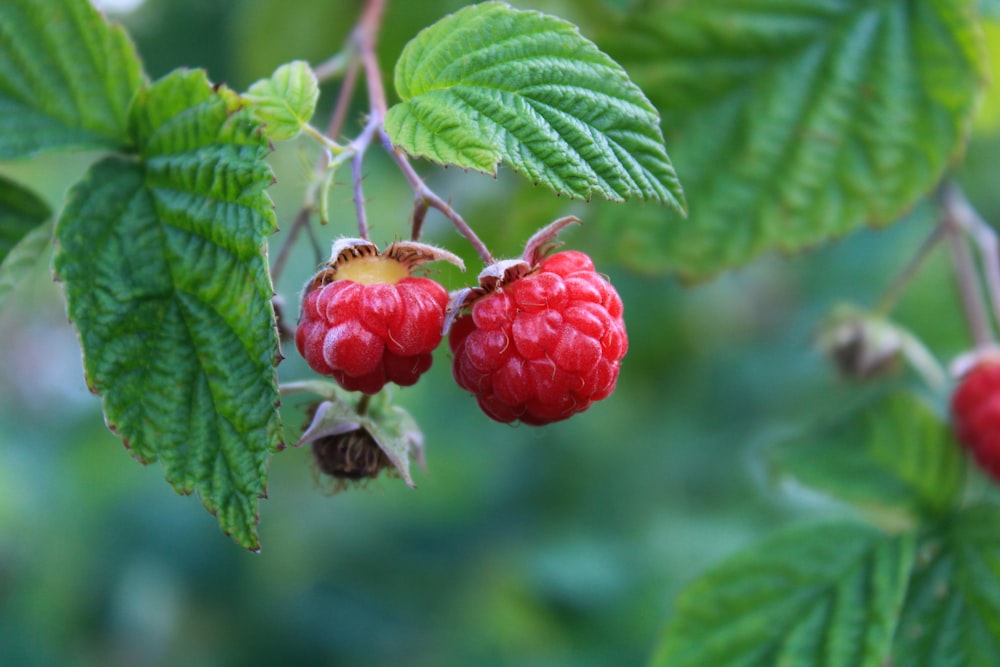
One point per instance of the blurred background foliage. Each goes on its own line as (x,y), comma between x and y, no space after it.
(555,546)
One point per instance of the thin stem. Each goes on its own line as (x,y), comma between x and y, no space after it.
(343,100)
(333,67)
(969,288)
(426,197)
(961,213)
(423,196)
(361,145)
(957,218)
(895,290)
(301,219)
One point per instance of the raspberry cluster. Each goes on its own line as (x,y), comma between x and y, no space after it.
(538,340)
(976,410)
(543,346)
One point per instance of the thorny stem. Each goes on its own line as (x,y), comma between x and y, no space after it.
(956,220)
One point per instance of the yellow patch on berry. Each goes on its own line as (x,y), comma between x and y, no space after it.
(372,270)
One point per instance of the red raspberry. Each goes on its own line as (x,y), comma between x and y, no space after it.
(543,346)
(366,321)
(976,410)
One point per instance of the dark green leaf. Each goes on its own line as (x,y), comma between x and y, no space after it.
(66,77)
(894,455)
(822,596)
(491,83)
(952,612)
(23,236)
(794,121)
(167,281)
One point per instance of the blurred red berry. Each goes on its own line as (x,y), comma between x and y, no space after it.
(976,410)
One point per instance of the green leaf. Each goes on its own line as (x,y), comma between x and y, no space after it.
(891,456)
(167,282)
(491,83)
(990,8)
(952,613)
(66,78)
(988,119)
(23,234)
(822,596)
(285,102)
(795,121)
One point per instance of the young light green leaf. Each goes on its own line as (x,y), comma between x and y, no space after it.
(491,83)
(285,103)
(892,456)
(794,121)
(23,234)
(952,611)
(167,282)
(66,77)
(822,596)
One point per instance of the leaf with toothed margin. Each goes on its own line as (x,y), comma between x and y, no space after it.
(493,84)
(66,78)
(24,236)
(794,121)
(823,595)
(166,278)
(286,101)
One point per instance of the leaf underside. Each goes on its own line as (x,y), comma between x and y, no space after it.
(492,84)
(795,121)
(894,455)
(166,279)
(822,596)
(66,78)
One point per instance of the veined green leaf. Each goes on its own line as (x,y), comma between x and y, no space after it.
(794,121)
(286,101)
(894,456)
(167,281)
(491,83)
(952,613)
(822,596)
(66,77)
(23,234)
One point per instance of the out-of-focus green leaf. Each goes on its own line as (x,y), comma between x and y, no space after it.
(826,595)
(988,118)
(894,455)
(23,234)
(286,101)
(794,121)
(952,611)
(990,8)
(491,83)
(167,281)
(66,77)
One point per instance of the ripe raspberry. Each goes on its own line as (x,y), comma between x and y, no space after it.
(366,321)
(541,344)
(976,410)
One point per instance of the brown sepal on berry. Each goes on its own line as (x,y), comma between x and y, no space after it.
(541,338)
(367,321)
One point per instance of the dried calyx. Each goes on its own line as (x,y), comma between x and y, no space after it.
(360,261)
(505,271)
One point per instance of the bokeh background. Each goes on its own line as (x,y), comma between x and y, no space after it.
(562,545)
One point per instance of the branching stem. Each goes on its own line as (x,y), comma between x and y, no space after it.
(958,217)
